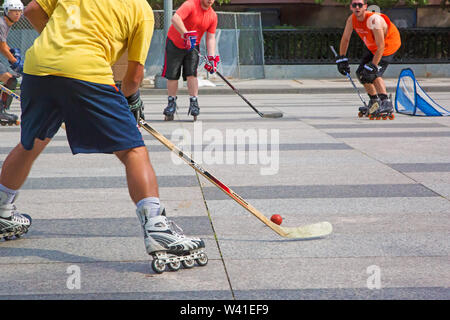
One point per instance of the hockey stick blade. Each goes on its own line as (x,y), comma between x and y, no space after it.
(316,230)
(310,231)
(262,115)
(272,115)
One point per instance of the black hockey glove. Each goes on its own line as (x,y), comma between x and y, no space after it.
(136,105)
(369,73)
(342,65)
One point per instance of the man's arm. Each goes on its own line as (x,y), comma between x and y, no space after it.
(345,39)
(133,78)
(379,40)
(4,50)
(36,15)
(179,24)
(211,43)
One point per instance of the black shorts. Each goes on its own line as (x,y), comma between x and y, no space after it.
(368,56)
(175,58)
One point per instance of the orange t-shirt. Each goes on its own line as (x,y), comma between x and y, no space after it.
(392,41)
(194,18)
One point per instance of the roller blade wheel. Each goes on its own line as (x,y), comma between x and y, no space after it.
(158,266)
(203,260)
(175,266)
(188,264)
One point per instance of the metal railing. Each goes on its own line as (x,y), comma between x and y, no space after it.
(312,46)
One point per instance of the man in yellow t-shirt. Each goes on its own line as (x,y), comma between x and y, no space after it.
(68,77)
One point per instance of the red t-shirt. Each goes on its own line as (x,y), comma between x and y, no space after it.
(194,18)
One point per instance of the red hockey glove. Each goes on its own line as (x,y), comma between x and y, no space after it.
(211,64)
(190,39)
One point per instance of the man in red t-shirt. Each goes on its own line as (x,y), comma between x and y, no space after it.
(189,23)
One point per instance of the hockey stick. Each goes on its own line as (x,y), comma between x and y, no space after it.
(351,80)
(262,115)
(8,91)
(316,230)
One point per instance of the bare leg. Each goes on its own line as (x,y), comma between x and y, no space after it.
(18,164)
(172,87)
(380,86)
(370,89)
(192,84)
(141,178)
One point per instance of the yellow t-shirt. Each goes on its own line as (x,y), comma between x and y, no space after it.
(84,38)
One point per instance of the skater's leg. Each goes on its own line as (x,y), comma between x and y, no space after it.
(14,172)
(18,163)
(172,87)
(141,178)
(192,84)
(380,86)
(194,109)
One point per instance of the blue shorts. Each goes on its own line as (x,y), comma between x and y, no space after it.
(96,116)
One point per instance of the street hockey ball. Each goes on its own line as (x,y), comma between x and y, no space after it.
(276,218)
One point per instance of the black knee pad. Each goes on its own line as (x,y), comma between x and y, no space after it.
(358,75)
(365,77)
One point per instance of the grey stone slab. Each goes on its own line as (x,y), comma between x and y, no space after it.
(117,280)
(407,293)
(102,182)
(391,134)
(414,150)
(421,167)
(323,191)
(378,125)
(315,209)
(224,147)
(436,181)
(10,129)
(31,249)
(151,295)
(109,227)
(335,245)
(339,273)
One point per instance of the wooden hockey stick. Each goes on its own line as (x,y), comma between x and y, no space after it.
(315,230)
(261,114)
(8,91)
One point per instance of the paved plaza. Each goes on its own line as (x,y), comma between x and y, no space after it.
(383,185)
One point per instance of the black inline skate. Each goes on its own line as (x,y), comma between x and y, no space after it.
(171,108)
(194,109)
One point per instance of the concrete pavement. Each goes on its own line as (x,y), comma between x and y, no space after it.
(384,185)
(215,86)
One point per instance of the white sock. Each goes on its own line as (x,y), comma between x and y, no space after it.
(152,204)
(10,194)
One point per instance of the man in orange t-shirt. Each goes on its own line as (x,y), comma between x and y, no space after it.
(382,40)
(189,23)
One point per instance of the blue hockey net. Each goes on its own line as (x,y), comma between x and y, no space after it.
(411,99)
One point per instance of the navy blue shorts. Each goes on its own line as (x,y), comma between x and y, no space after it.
(96,116)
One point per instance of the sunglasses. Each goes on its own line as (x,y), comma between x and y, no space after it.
(357,5)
